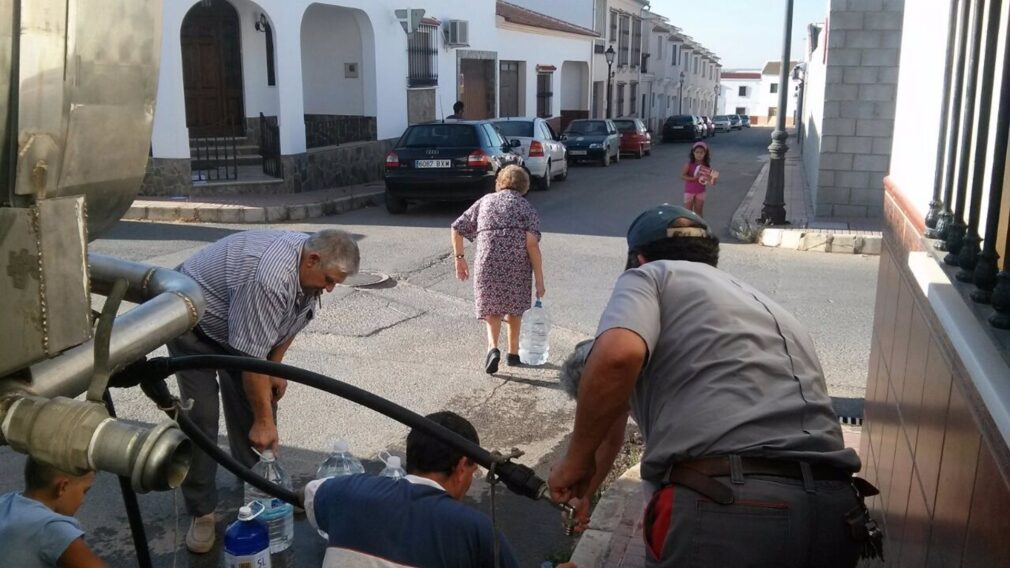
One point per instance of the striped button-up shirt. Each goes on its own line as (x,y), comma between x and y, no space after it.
(250,283)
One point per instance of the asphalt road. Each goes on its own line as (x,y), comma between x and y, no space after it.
(415,341)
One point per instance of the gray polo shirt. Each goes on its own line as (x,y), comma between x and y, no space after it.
(728,371)
(251,285)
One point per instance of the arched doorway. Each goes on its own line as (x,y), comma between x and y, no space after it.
(212,70)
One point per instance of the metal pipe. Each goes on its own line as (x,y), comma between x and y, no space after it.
(956,231)
(170,305)
(970,248)
(946,215)
(935,204)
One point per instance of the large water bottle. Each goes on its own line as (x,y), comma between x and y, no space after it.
(533,345)
(278,515)
(340,462)
(247,540)
(393,469)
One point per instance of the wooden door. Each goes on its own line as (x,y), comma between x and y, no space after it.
(475,88)
(508,77)
(212,70)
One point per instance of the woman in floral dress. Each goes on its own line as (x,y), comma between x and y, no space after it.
(506,229)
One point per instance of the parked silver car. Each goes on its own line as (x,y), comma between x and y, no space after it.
(541,148)
(723,123)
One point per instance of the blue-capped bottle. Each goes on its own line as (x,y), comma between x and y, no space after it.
(278,515)
(247,540)
(533,335)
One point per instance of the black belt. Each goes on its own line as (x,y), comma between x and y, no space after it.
(698,475)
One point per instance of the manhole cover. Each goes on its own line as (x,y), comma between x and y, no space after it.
(364,279)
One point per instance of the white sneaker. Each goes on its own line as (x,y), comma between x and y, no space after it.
(200,537)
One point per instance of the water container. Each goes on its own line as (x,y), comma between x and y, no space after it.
(247,540)
(278,515)
(533,345)
(393,468)
(340,462)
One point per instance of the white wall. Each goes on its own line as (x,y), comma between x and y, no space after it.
(731,87)
(516,43)
(575,85)
(766,98)
(259,96)
(813,119)
(330,39)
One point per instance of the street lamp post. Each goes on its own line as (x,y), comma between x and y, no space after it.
(609,55)
(799,75)
(680,109)
(774,210)
(715,104)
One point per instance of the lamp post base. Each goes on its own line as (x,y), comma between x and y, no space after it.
(774,210)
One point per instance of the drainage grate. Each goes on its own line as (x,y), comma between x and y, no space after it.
(365,279)
(851,420)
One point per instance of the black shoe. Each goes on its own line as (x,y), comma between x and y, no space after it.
(491,361)
(513,360)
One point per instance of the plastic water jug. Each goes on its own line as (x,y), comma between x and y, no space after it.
(393,468)
(247,540)
(533,345)
(277,515)
(340,462)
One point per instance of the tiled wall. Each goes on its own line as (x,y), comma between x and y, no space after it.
(928,442)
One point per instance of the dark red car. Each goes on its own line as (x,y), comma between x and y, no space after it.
(635,138)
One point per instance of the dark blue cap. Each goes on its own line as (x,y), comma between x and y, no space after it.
(655,225)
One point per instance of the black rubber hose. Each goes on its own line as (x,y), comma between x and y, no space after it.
(517,477)
(222,457)
(132,506)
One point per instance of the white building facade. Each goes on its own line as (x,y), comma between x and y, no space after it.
(742,92)
(323,88)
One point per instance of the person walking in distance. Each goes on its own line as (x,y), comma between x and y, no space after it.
(698,174)
(457,111)
(261,289)
(506,229)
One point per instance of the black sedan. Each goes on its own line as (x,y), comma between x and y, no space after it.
(445,161)
(682,127)
(596,140)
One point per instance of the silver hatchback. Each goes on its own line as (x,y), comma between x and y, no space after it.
(541,148)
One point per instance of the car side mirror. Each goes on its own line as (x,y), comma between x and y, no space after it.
(563,137)
(515,143)
(506,147)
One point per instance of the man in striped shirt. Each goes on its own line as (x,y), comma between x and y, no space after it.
(261,288)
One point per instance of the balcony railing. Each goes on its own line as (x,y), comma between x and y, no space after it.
(956,210)
(422,57)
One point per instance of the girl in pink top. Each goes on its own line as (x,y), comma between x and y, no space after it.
(697,175)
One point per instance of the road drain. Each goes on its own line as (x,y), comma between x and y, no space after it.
(365,279)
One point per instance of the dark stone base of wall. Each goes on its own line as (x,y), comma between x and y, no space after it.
(167,177)
(335,166)
(319,168)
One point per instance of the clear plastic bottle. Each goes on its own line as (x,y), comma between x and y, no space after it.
(340,462)
(393,468)
(247,540)
(533,335)
(277,515)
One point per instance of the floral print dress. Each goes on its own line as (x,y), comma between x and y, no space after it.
(502,273)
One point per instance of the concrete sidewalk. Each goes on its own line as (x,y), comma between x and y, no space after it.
(257,208)
(614,537)
(805,231)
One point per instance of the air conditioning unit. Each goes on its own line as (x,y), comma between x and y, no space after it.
(457,33)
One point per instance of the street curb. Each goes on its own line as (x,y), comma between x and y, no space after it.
(594,547)
(202,212)
(820,240)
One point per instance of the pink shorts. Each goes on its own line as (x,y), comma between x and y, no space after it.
(690,198)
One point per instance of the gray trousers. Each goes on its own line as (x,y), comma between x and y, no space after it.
(774,521)
(202,386)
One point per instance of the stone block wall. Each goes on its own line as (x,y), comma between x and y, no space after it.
(861,83)
(167,177)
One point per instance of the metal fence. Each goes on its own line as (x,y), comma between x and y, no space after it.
(270,146)
(213,158)
(332,130)
(956,209)
(422,57)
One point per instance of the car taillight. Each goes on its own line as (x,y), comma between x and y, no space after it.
(478,159)
(392,160)
(536,149)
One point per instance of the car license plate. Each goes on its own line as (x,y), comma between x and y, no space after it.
(678,127)
(577,152)
(433,164)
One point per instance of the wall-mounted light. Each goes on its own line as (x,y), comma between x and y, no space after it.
(261,24)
